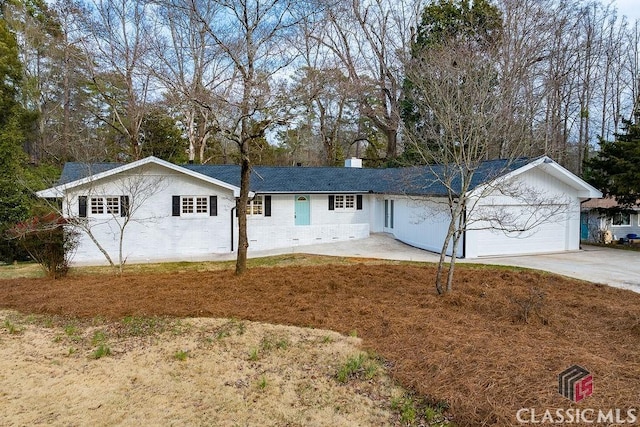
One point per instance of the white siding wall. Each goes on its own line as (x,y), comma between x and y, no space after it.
(555,226)
(422,222)
(376,214)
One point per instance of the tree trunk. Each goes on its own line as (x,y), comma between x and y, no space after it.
(392,142)
(120,259)
(243,241)
(98,245)
(443,255)
(460,216)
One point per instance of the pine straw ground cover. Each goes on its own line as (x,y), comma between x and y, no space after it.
(494,346)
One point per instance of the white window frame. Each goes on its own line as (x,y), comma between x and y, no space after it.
(621,223)
(194,205)
(344,202)
(104,206)
(255,207)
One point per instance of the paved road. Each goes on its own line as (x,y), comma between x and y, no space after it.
(613,267)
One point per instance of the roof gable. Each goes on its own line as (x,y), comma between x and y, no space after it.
(546,164)
(76,174)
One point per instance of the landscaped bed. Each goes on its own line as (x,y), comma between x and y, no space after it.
(494,346)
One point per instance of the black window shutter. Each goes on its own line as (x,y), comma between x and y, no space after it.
(359,202)
(213,205)
(267,205)
(82,206)
(124,205)
(332,200)
(175,207)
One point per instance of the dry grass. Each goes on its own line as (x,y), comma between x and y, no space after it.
(474,350)
(182,372)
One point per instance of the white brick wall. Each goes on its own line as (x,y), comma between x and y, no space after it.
(279,230)
(154,234)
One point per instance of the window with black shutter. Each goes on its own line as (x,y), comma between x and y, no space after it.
(124,205)
(175,205)
(82,206)
(344,202)
(213,205)
(267,205)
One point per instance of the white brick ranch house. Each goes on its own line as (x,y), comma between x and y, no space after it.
(189,211)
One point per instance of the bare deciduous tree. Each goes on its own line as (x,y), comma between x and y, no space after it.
(254,36)
(190,65)
(119,43)
(115,211)
(329,107)
(470,110)
(371,40)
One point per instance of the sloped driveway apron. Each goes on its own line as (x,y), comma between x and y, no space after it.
(609,266)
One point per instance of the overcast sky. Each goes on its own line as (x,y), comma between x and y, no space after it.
(631,8)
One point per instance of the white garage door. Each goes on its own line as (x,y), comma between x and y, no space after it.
(543,235)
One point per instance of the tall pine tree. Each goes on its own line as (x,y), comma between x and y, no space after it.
(615,169)
(462,27)
(14,198)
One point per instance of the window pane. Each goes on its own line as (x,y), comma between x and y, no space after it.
(339,202)
(622,218)
(97,206)
(257,206)
(386,213)
(254,207)
(350,202)
(187,205)
(201,205)
(113,205)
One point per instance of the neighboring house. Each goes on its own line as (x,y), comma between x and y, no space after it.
(188,212)
(602,220)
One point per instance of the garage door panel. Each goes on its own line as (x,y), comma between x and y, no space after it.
(546,235)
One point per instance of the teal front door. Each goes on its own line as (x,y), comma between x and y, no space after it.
(303,210)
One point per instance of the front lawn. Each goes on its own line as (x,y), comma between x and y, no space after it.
(496,345)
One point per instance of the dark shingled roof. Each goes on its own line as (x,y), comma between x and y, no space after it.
(73,171)
(419,180)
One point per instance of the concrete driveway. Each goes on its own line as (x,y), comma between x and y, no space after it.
(613,267)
